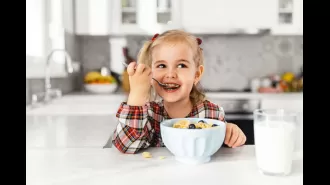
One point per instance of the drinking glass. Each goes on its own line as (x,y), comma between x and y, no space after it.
(274,134)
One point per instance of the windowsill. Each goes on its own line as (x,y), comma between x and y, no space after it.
(37,70)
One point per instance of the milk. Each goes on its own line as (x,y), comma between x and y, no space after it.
(274,145)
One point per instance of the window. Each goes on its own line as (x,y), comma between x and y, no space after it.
(36,32)
(44,32)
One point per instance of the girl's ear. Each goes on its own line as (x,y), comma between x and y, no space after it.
(199,73)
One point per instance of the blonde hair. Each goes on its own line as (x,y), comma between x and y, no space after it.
(145,57)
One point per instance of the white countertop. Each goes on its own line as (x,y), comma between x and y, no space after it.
(67,150)
(260,96)
(225,95)
(95,166)
(84,103)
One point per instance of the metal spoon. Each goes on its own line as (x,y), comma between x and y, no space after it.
(159,83)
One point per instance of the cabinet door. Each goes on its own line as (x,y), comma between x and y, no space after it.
(144,17)
(289,18)
(202,16)
(218,16)
(92,17)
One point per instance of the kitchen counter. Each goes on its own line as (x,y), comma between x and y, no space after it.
(96,166)
(260,96)
(67,150)
(225,95)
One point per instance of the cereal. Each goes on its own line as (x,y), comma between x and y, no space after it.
(162,157)
(201,124)
(146,155)
(181,124)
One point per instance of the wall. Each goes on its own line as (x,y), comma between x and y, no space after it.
(94,52)
(234,60)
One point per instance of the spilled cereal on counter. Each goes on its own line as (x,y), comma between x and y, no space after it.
(146,155)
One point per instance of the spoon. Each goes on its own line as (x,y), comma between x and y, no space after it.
(159,83)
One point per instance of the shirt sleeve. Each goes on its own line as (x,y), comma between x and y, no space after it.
(222,116)
(133,131)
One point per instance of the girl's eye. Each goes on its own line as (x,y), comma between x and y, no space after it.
(161,66)
(182,65)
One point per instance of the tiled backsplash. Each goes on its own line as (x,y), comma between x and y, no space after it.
(94,52)
(234,60)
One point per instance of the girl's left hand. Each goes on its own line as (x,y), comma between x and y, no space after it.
(234,136)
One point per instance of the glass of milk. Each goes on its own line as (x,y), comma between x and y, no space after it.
(274,136)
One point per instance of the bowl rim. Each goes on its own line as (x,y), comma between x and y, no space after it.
(162,124)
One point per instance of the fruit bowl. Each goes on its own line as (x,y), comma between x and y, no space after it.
(101,88)
(193,146)
(97,83)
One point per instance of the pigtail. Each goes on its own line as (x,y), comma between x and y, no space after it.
(197,95)
(144,55)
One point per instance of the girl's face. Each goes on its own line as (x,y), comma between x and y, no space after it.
(173,64)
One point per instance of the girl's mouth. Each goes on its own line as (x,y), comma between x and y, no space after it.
(170,87)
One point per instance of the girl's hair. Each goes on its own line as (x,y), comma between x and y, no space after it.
(175,36)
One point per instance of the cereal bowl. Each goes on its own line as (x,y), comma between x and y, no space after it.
(192,145)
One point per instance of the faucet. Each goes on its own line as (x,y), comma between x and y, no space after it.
(49,92)
(69,69)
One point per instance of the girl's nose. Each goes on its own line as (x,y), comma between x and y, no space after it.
(171,73)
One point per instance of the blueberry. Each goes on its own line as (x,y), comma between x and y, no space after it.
(201,121)
(214,125)
(192,126)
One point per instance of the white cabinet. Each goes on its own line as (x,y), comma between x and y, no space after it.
(123,17)
(144,17)
(289,20)
(147,17)
(92,17)
(218,16)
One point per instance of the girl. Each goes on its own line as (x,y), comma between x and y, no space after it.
(173,58)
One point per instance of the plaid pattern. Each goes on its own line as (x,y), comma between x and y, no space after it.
(139,126)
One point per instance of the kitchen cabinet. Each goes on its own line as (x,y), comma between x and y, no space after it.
(289,19)
(125,17)
(144,17)
(220,16)
(282,17)
(92,17)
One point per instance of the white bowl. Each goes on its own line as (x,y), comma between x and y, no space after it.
(100,88)
(193,146)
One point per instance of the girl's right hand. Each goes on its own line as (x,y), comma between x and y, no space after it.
(139,80)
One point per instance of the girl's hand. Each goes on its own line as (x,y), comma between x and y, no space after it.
(234,136)
(139,80)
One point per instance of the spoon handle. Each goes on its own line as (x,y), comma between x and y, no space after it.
(161,84)
(126,65)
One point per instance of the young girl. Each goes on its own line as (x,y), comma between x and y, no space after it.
(176,59)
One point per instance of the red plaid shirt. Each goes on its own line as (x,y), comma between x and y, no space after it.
(139,126)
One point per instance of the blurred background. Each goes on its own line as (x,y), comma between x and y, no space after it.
(249,45)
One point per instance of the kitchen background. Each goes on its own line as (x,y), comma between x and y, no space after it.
(234,58)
